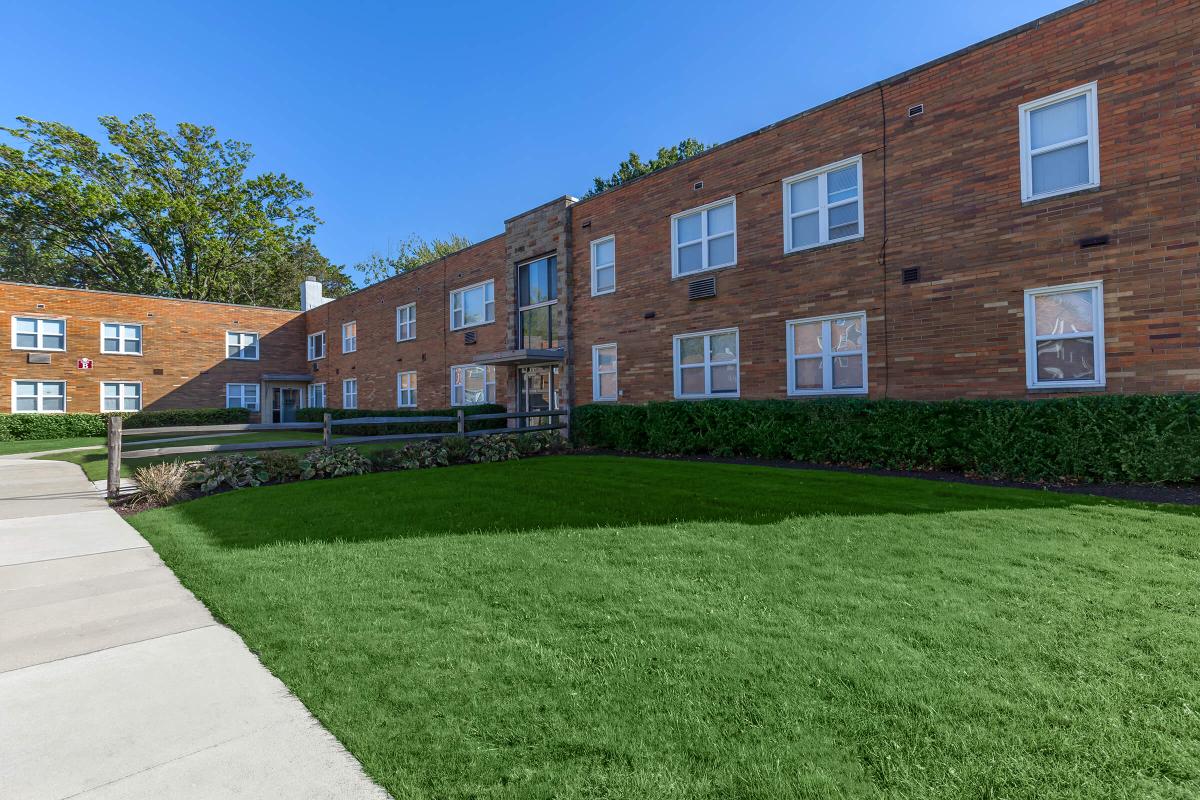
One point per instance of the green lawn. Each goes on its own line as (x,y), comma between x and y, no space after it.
(597,627)
(95,462)
(37,445)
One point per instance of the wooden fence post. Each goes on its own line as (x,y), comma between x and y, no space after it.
(114,456)
(327,430)
(462,423)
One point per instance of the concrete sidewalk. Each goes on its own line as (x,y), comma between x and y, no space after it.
(115,682)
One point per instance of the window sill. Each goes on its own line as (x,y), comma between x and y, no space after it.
(468,327)
(831,393)
(701,272)
(406,339)
(41,350)
(111,353)
(601,294)
(1030,201)
(231,358)
(725,396)
(1091,387)
(825,245)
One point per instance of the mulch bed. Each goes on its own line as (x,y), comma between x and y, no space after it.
(1184,494)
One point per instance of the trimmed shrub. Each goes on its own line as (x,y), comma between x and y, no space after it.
(26,427)
(540,442)
(234,471)
(1116,438)
(499,447)
(458,449)
(281,465)
(333,462)
(317,415)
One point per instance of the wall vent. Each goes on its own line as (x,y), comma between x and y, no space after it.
(702,288)
(158,372)
(41,305)
(469,337)
(698,185)
(38,358)
(916,111)
(1093,241)
(910,275)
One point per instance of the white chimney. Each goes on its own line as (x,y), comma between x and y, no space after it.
(310,294)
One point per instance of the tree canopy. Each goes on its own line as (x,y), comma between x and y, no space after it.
(154,212)
(634,167)
(410,254)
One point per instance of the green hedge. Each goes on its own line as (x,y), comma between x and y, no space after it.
(1118,438)
(24,427)
(317,414)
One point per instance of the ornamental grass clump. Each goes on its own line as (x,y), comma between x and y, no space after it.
(159,484)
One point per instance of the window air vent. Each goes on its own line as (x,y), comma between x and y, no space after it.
(916,111)
(469,337)
(38,358)
(910,275)
(702,288)
(1093,241)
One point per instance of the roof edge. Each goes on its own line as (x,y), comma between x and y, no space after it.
(149,296)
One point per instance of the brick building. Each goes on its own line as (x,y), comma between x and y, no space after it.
(1017,219)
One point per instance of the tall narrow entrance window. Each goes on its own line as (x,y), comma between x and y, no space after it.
(350,393)
(406,389)
(538,290)
(604,372)
(604,265)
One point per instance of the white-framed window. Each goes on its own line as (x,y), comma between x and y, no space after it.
(704,238)
(406,322)
(406,389)
(349,336)
(316,395)
(121,339)
(350,393)
(706,364)
(39,333)
(241,346)
(604,265)
(473,305)
(316,346)
(121,396)
(827,355)
(241,395)
(823,205)
(472,384)
(1064,336)
(1060,143)
(604,372)
(39,397)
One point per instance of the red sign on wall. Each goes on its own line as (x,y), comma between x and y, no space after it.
(83,363)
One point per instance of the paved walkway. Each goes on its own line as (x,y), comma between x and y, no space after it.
(115,682)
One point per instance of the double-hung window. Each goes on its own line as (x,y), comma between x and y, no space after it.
(472,384)
(537,284)
(121,396)
(120,339)
(39,397)
(241,346)
(316,395)
(706,364)
(406,322)
(604,372)
(39,333)
(823,206)
(473,305)
(1064,336)
(350,393)
(406,389)
(604,265)
(704,238)
(827,355)
(349,336)
(241,395)
(316,346)
(1060,144)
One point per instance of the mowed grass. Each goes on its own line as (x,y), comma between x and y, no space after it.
(38,445)
(597,627)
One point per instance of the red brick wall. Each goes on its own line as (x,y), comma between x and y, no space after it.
(379,356)
(954,209)
(183,363)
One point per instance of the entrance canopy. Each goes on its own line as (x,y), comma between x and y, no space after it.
(521,358)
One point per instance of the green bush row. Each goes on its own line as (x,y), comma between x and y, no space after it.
(317,414)
(23,427)
(1117,438)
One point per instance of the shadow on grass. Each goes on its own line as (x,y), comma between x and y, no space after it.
(567,492)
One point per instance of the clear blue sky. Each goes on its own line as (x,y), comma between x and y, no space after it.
(443,117)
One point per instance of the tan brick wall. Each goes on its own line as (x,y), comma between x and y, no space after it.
(183,364)
(954,209)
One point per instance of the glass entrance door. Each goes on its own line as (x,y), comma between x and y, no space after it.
(284,404)
(539,392)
